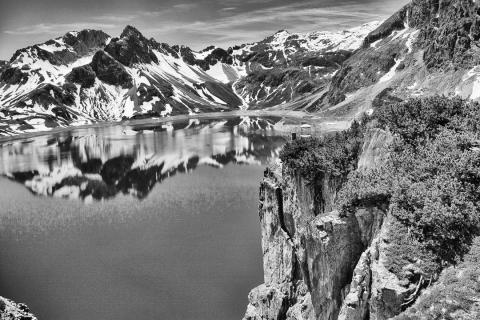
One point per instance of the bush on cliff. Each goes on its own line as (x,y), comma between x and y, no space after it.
(455,296)
(419,119)
(336,154)
(431,180)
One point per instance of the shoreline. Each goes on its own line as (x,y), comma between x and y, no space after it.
(328,124)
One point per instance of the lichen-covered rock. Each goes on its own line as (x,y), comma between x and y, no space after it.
(356,303)
(10,310)
(267,303)
(303,307)
(340,260)
(388,293)
(283,291)
(375,149)
(333,246)
(305,242)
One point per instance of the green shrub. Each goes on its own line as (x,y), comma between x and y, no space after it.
(418,119)
(455,295)
(336,154)
(430,181)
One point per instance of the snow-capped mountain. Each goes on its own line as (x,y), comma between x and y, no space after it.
(88,76)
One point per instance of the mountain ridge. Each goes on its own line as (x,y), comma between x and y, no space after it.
(426,48)
(88,76)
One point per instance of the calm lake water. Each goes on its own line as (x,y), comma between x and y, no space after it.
(135,222)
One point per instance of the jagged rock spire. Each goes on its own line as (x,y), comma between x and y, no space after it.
(131,31)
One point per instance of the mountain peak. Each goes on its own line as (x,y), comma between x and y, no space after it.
(129,31)
(283,31)
(131,48)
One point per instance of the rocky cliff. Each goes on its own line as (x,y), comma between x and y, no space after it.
(320,263)
(428,47)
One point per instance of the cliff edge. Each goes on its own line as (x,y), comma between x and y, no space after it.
(379,222)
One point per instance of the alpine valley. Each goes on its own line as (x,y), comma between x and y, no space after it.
(88,76)
(380,221)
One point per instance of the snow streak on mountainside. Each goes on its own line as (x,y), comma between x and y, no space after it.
(426,48)
(88,76)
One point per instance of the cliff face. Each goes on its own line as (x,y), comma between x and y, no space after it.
(318,263)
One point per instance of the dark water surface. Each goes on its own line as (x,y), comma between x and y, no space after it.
(135,223)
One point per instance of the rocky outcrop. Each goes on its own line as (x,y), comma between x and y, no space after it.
(3,66)
(10,310)
(395,22)
(374,152)
(364,69)
(84,75)
(87,40)
(131,48)
(110,70)
(66,49)
(455,27)
(283,292)
(428,47)
(374,292)
(13,76)
(331,265)
(307,244)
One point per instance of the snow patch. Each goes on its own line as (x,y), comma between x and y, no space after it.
(168,110)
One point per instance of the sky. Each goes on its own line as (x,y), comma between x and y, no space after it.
(196,23)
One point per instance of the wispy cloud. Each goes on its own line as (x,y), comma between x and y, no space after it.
(184,6)
(228,9)
(296,17)
(196,23)
(57,28)
(103,21)
(115,18)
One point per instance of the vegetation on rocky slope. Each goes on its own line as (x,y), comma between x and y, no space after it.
(430,182)
(336,154)
(455,297)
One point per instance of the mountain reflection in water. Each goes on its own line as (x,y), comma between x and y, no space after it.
(100,163)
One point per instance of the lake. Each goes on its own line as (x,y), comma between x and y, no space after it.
(151,221)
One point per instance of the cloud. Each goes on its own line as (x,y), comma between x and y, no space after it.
(184,6)
(223,23)
(116,18)
(246,24)
(297,17)
(57,28)
(228,9)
